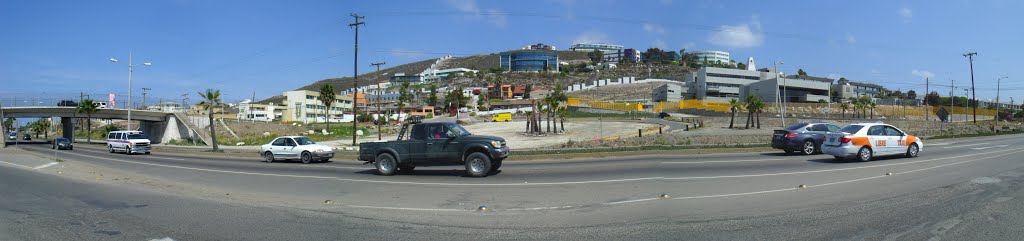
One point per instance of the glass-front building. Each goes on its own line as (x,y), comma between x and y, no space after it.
(529,60)
(712,56)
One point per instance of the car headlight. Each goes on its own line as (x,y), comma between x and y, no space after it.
(495,144)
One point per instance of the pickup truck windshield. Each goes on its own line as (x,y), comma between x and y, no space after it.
(304,141)
(137,136)
(457,130)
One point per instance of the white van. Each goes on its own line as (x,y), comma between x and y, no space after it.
(128,142)
(100,105)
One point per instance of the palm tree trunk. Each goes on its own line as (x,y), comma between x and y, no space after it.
(88,128)
(732,118)
(213,134)
(563,124)
(758,119)
(548,121)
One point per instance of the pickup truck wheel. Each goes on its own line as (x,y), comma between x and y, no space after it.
(386,164)
(306,157)
(478,165)
(268,157)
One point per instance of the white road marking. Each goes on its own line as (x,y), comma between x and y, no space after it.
(632,201)
(45,165)
(537,208)
(412,209)
(988,147)
(700,162)
(976,144)
(17,164)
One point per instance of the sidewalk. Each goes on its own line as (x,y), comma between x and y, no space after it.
(16,157)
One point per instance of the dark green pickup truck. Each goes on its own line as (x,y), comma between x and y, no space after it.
(435,144)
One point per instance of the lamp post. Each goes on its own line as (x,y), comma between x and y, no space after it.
(998,84)
(130,66)
(779,97)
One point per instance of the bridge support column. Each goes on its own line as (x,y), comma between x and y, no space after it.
(67,128)
(155,130)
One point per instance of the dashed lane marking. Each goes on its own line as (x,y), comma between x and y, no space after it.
(45,165)
(988,147)
(976,144)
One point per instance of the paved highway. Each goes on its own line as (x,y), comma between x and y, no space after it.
(956,190)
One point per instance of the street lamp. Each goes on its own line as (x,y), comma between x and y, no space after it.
(130,66)
(780,103)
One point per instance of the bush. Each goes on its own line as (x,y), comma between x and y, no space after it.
(472,113)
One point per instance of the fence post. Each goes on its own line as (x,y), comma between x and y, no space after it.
(659,130)
(640,132)
(687,127)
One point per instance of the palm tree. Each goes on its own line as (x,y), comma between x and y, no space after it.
(211,100)
(734,106)
(872,105)
(562,113)
(844,106)
(548,111)
(328,98)
(87,107)
(759,105)
(750,111)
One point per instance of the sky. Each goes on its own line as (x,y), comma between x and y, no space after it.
(58,49)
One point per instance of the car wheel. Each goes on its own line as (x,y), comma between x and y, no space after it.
(864,154)
(71,148)
(127,151)
(386,164)
(110,148)
(495,165)
(913,150)
(478,165)
(306,157)
(268,157)
(406,168)
(807,148)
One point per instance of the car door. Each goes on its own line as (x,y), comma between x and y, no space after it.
(277,147)
(291,150)
(897,140)
(417,145)
(437,143)
(879,140)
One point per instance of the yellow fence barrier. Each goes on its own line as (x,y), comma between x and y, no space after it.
(598,104)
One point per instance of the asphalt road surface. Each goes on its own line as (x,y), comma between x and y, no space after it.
(964,189)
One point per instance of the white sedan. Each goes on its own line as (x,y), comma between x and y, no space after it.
(295,147)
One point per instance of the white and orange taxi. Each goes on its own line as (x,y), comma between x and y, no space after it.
(868,140)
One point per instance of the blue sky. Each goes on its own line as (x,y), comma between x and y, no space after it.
(61,47)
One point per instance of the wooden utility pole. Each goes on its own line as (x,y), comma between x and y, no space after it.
(974,94)
(378,98)
(355,77)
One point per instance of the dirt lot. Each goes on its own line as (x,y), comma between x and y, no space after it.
(575,130)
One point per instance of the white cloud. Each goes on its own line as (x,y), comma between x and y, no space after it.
(906,14)
(591,37)
(653,28)
(470,7)
(923,74)
(850,38)
(747,35)
(658,43)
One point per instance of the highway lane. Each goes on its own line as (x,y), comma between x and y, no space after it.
(711,196)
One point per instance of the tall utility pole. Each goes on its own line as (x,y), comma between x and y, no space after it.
(355,77)
(378,98)
(951,101)
(144,97)
(974,94)
(926,84)
(779,103)
(184,97)
(252,102)
(967,93)
(998,84)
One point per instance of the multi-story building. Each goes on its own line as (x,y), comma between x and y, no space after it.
(791,88)
(668,92)
(612,53)
(712,56)
(430,75)
(259,112)
(847,89)
(721,84)
(631,56)
(305,106)
(529,60)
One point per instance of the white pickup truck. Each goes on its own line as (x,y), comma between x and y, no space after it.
(128,142)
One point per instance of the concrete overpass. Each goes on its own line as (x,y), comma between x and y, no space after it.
(160,126)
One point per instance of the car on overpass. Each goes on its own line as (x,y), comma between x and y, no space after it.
(803,137)
(128,142)
(67,103)
(435,144)
(296,147)
(868,140)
